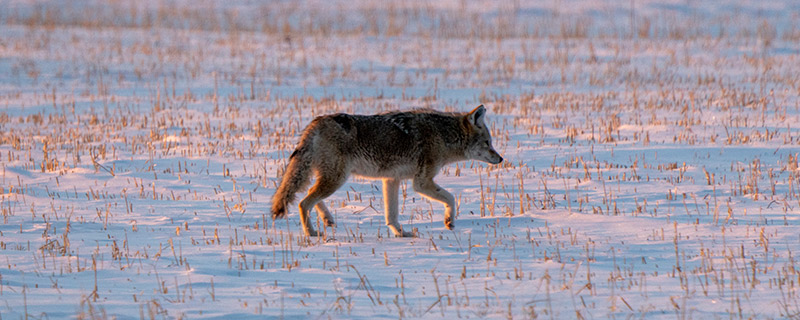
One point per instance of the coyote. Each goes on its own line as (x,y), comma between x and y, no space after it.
(390,146)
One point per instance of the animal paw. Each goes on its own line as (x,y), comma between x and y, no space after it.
(406,234)
(448,223)
(313,233)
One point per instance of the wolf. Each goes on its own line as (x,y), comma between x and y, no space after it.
(390,146)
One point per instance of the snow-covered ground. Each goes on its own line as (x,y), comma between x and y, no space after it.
(652,159)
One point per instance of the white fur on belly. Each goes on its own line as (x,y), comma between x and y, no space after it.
(365,168)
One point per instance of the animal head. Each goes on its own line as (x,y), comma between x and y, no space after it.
(479,140)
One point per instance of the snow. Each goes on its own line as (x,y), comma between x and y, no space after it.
(651,166)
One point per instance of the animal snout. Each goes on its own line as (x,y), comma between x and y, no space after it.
(497,158)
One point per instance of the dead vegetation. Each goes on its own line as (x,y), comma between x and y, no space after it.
(652,162)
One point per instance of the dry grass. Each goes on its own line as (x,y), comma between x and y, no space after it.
(652,164)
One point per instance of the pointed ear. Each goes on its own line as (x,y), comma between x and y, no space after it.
(475,116)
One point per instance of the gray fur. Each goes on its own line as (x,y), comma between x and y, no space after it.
(390,146)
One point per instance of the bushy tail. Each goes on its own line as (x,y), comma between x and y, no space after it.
(295,177)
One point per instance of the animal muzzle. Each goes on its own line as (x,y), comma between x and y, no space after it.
(495,157)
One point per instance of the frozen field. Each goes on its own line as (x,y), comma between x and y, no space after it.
(651,159)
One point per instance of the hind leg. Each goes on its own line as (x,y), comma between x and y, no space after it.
(325,214)
(327,183)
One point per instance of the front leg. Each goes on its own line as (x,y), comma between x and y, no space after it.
(432,191)
(390,187)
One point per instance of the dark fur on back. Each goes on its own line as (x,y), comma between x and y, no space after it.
(393,137)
